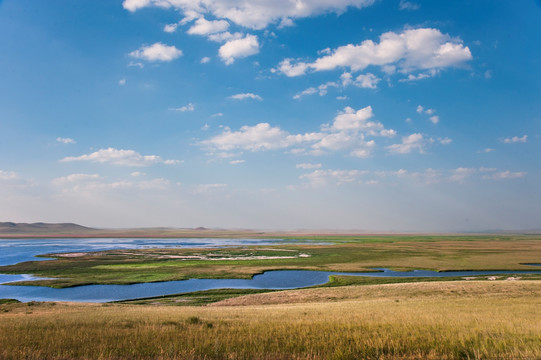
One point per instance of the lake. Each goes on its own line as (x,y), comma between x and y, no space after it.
(14,251)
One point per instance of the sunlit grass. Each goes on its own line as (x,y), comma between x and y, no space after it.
(449,320)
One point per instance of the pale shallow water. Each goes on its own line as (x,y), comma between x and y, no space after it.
(14,251)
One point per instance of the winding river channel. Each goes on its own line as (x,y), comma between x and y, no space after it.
(15,251)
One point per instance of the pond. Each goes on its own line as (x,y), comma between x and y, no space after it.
(24,250)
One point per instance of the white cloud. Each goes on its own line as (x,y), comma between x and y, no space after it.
(236,162)
(251,14)
(239,48)
(65,140)
(8,175)
(321,89)
(120,157)
(487,150)
(348,132)
(76,178)
(205,60)
(122,82)
(515,139)
(288,69)
(420,76)
(205,27)
(367,81)
(505,175)
(136,64)
(411,50)
(157,52)
(319,178)
(409,143)
(309,91)
(189,107)
(137,174)
(207,188)
(170,28)
(430,112)
(225,36)
(408,5)
(445,141)
(308,166)
(255,138)
(353,120)
(217,114)
(246,96)
(460,174)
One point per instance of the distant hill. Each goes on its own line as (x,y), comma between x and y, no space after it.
(42,228)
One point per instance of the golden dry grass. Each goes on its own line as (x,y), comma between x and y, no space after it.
(448,320)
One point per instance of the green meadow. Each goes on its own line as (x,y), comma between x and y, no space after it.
(333,253)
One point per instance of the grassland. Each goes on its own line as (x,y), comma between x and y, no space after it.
(341,253)
(436,320)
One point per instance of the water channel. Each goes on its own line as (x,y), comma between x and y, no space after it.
(15,251)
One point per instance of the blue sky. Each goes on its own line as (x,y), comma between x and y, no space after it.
(377,115)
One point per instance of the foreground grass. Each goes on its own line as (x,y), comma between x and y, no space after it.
(437,320)
(346,254)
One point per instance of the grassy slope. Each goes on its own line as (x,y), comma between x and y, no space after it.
(438,320)
(346,254)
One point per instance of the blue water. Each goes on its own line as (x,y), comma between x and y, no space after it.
(13,251)
(16,251)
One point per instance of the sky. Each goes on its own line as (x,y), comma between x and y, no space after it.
(369,115)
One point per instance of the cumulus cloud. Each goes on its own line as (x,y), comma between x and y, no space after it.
(246,96)
(122,82)
(239,48)
(170,28)
(120,157)
(205,60)
(157,52)
(348,132)
(65,140)
(321,89)
(409,143)
(189,107)
(445,141)
(251,14)
(411,50)
(515,139)
(205,27)
(255,138)
(430,112)
(236,162)
(368,81)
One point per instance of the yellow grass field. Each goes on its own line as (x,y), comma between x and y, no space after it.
(498,319)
